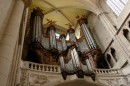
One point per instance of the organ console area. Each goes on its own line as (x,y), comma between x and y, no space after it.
(75,56)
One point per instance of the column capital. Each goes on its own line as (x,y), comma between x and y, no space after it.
(27,2)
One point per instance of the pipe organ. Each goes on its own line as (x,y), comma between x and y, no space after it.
(63,41)
(36,19)
(72,35)
(52,37)
(87,34)
(75,56)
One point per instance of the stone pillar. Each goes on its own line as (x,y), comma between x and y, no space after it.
(110,28)
(18,70)
(14,76)
(8,41)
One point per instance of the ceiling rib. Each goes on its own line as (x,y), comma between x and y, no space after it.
(58,10)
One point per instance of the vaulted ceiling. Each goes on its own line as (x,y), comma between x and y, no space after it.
(65,11)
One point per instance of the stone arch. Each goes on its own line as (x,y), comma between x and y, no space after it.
(126,34)
(109,59)
(113,53)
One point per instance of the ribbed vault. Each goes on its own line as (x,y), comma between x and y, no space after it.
(65,11)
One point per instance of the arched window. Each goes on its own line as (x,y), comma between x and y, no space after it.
(113,53)
(110,60)
(126,34)
(117,5)
(129,24)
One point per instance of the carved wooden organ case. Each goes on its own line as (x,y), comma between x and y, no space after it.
(75,56)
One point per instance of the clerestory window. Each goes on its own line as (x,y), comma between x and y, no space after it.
(117,5)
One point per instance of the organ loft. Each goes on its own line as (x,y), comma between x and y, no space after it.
(75,56)
(64,43)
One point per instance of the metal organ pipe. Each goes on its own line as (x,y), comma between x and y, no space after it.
(52,38)
(63,42)
(89,65)
(34,26)
(62,63)
(37,28)
(75,59)
(90,36)
(40,26)
(86,35)
(91,43)
(72,35)
(91,62)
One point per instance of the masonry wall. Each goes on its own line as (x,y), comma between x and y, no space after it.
(6,7)
(120,44)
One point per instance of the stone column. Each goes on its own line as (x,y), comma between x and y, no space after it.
(24,24)
(110,28)
(8,41)
(14,76)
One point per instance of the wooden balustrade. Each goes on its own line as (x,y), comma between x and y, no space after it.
(41,67)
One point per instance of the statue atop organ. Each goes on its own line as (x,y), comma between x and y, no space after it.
(75,56)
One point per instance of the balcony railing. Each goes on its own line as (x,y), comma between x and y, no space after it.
(40,67)
(107,72)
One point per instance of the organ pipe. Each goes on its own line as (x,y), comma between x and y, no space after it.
(72,35)
(88,65)
(83,46)
(36,18)
(62,63)
(52,37)
(88,36)
(69,58)
(75,58)
(62,37)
